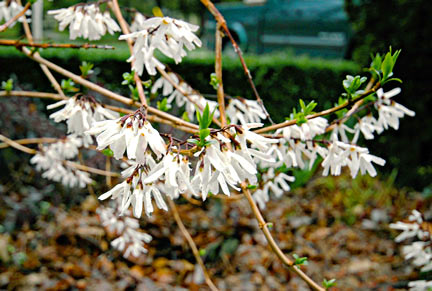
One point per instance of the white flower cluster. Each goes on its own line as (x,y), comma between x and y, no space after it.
(166,34)
(52,159)
(8,10)
(389,113)
(129,241)
(277,183)
(80,112)
(228,162)
(86,21)
(131,133)
(420,252)
(243,111)
(221,163)
(172,94)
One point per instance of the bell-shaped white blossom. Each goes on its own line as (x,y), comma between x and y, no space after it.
(80,113)
(131,133)
(86,21)
(9,9)
(138,22)
(243,111)
(166,34)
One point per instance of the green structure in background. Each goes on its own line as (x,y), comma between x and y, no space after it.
(313,27)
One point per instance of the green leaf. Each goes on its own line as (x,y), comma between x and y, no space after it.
(194,141)
(147,84)
(214,81)
(108,152)
(163,105)
(7,85)
(128,78)
(203,133)
(300,260)
(185,116)
(86,69)
(69,86)
(329,283)
(252,187)
(202,252)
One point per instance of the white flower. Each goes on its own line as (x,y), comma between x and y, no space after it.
(243,111)
(307,130)
(80,113)
(132,134)
(420,285)
(9,10)
(52,160)
(165,34)
(85,21)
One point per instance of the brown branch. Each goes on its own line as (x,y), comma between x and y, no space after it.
(173,120)
(15,18)
(222,24)
(17,145)
(218,71)
(91,170)
(192,245)
(30,141)
(151,118)
(18,44)
(322,113)
(263,225)
(125,29)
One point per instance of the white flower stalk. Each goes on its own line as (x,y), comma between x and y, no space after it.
(86,21)
(243,111)
(356,158)
(339,133)
(130,240)
(411,229)
(389,111)
(131,133)
(136,191)
(307,130)
(52,159)
(166,34)
(9,10)
(80,113)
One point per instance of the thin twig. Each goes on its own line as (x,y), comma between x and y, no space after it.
(321,113)
(41,95)
(17,145)
(30,141)
(222,24)
(263,225)
(218,71)
(192,245)
(15,18)
(18,44)
(91,170)
(125,29)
